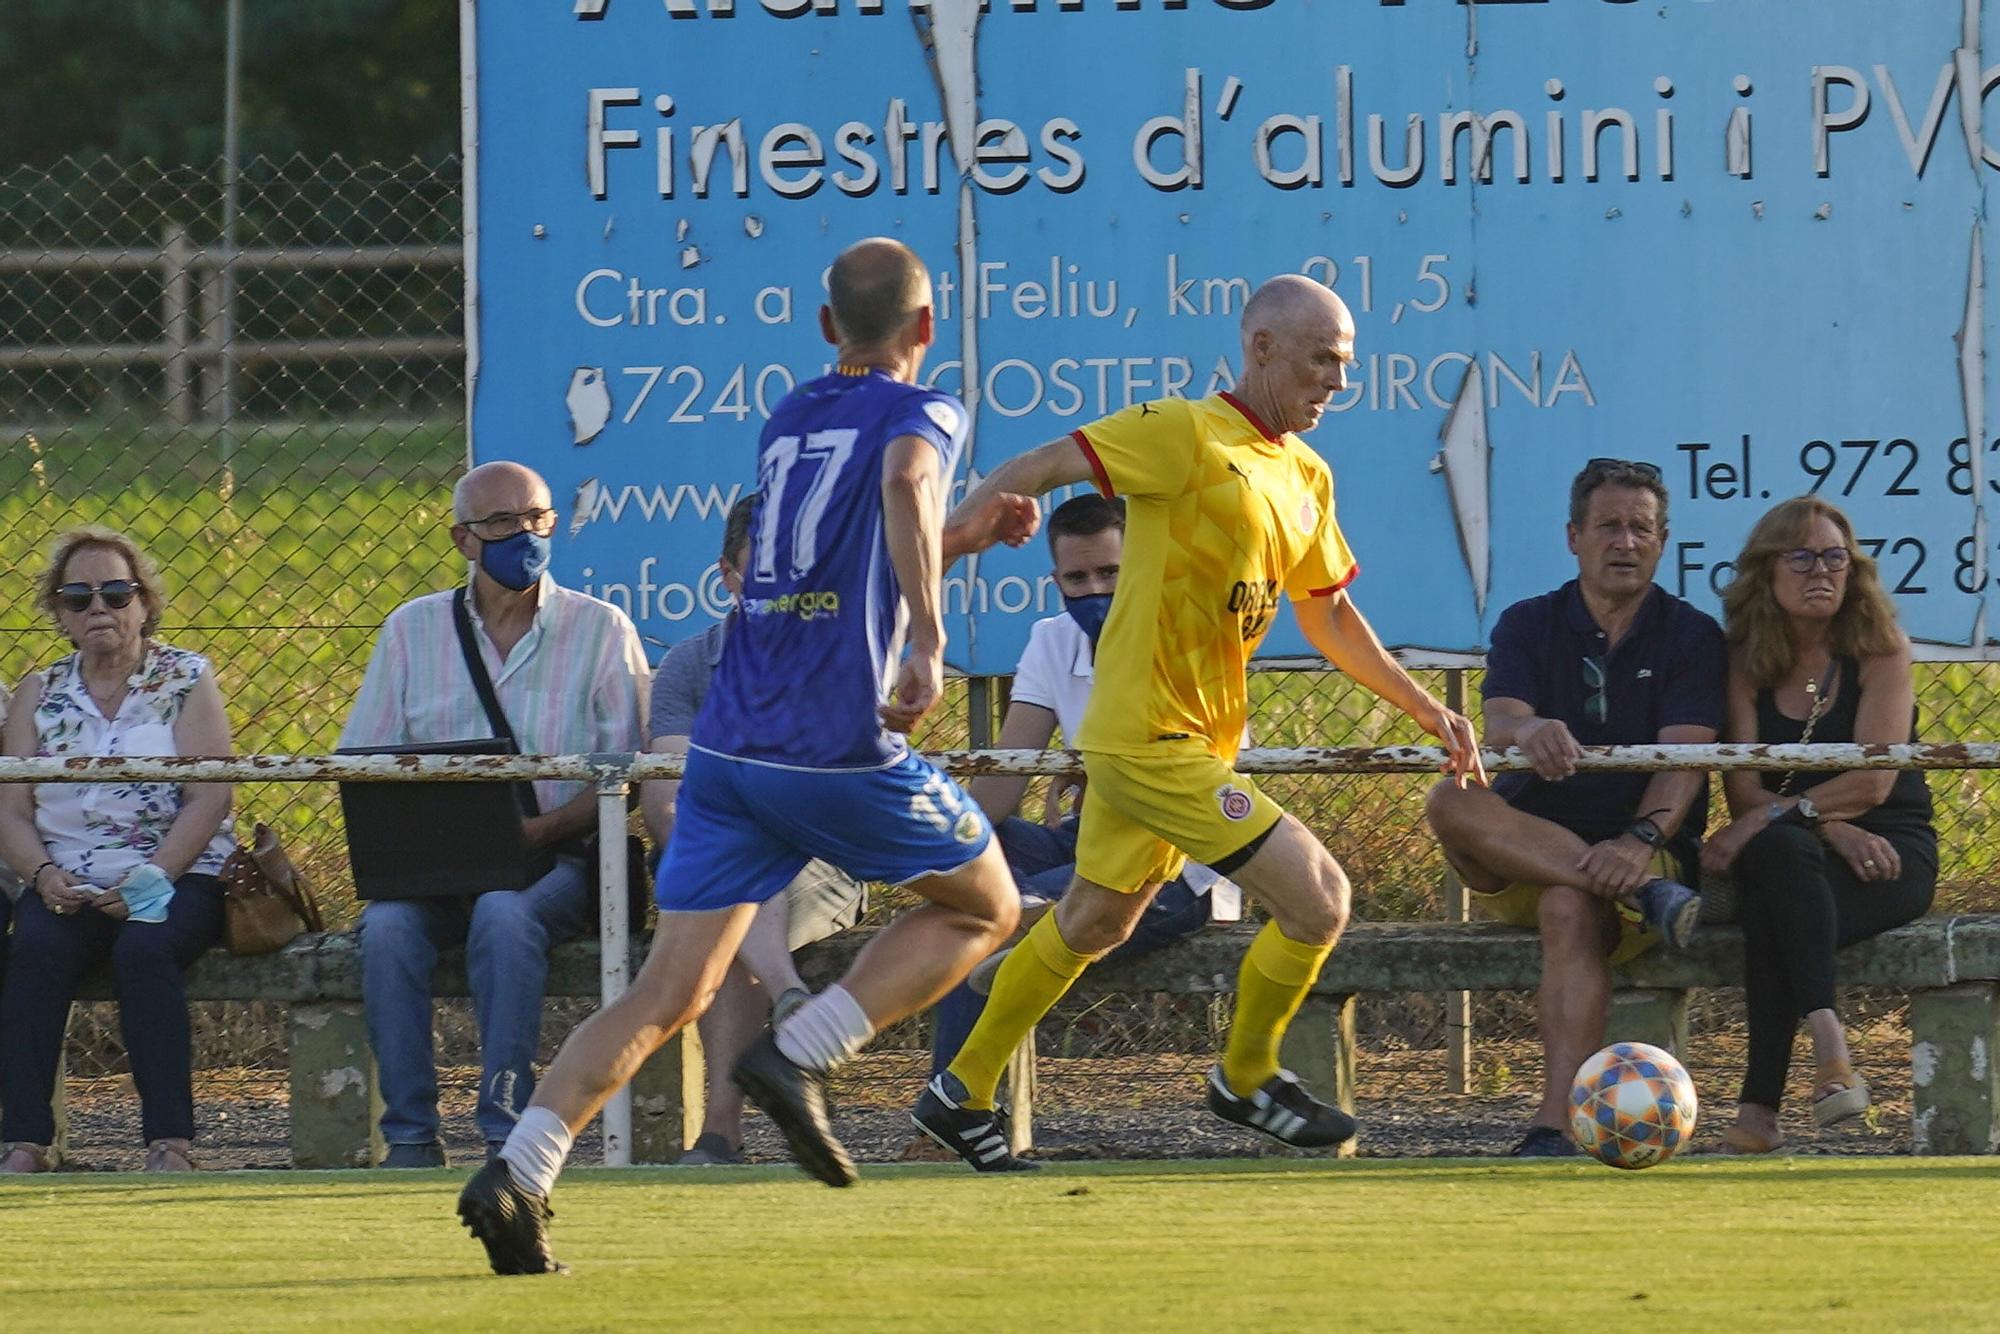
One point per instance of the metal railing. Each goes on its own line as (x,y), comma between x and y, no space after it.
(612,775)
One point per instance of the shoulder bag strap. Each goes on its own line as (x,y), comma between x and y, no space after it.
(475,666)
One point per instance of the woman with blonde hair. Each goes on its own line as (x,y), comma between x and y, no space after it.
(1820,860)
(116,872)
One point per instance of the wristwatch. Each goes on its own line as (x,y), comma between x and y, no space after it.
(1646,832)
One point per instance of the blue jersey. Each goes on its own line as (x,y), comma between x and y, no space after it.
(820,624)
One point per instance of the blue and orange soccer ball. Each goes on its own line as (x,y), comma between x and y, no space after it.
(1632,1106)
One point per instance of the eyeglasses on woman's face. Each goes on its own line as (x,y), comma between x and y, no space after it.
(117,595)
(1804,560)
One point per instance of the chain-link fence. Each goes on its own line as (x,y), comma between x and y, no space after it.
(280,429)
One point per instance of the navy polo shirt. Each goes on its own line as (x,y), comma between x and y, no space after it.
(1670,670)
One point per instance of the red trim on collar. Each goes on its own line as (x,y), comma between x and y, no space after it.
(1096,465)
(1251,417)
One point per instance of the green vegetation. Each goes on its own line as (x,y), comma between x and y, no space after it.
(279,565)
(1198,1245)
(282,563)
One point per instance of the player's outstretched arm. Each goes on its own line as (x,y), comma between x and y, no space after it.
(1002,517)
(912,484)
(1035,473)
(1335,626)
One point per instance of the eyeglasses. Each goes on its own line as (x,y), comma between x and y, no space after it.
(1650,471)
(1595,707)
(506,523)
(117,594)
(1802,561)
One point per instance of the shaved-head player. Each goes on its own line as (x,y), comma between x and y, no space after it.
(798,753)
(1228,515)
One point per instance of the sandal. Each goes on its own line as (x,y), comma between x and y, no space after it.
(1738,1139)
(20,1157)
(1840,1095)
(170,1155)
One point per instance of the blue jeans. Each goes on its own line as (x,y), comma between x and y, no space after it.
(507,934)
(1044,861)
(51,956)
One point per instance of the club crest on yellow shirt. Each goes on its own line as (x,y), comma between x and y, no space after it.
(1234,801)
(1308,515)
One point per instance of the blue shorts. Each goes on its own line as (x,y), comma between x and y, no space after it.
(743,830)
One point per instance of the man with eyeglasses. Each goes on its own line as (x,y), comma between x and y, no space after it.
(569,676)
(1595,860)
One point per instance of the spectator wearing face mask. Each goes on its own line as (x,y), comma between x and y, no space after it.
(569,678)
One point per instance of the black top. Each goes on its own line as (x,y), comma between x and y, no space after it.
(1907,808)
(1669,670)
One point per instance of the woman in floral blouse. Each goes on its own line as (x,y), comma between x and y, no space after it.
(118,871)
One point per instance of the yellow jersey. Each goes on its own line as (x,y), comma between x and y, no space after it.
(1221,514)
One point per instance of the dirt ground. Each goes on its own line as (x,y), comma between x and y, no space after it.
(1133,1107)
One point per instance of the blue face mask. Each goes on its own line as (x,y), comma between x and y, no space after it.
(516,562)
(1089,612)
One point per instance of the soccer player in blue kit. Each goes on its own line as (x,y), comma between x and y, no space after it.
(797,753)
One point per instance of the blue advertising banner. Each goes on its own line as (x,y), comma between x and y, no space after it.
(1739,238)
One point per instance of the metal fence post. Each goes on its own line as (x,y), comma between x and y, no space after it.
(613,940)
(979,710)
(176,328)
(1457,908)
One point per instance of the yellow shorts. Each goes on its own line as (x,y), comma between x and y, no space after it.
(1144,816)
(1518,905)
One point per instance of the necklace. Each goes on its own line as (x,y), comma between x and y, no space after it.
(1819,688)
(110,701)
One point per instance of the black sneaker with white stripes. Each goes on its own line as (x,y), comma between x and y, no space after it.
(1281,1109)
(978,1137)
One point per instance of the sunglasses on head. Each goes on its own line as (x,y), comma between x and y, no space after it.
(1640,466)
(117,594)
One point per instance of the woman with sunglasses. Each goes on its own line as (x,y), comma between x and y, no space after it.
(1820,860)
(116,871)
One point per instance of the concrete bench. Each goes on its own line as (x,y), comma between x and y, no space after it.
(1949,966)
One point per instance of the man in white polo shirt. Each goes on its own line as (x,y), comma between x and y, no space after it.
(1051,690)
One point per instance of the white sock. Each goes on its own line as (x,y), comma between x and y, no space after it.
(825,1031)
(535,1150)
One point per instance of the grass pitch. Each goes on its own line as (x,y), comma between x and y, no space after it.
(1787,1244)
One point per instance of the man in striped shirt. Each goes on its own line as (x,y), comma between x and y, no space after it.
(570,677)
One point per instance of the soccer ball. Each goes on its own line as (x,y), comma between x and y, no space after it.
(1632,1106)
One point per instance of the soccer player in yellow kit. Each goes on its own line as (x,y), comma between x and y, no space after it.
(1228,513)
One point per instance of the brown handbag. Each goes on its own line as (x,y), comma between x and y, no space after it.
(266,902)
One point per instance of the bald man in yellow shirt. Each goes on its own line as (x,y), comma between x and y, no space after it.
(1229,514)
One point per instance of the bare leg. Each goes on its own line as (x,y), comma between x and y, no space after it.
(926,952)
(728,1027)
(691,952)
(764,949)
(1761,1123)
(1829,1039)
(1492,845)
(1574,1003)
(1297,879)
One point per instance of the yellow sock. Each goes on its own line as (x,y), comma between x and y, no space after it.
(1277,973)
(1028,984)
